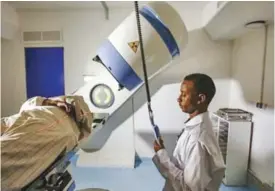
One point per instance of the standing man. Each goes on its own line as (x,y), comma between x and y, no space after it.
(197,162)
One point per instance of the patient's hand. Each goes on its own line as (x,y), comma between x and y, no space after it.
(64,106)
(58,103)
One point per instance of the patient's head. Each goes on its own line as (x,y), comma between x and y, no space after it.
(81,114)
(78,110)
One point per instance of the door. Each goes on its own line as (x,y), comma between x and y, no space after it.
(44,71)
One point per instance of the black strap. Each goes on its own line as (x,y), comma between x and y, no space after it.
(155,127)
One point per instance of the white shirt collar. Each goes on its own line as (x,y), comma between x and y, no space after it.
(196,120)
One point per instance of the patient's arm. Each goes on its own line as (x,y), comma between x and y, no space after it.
(42,101)
(4,127)
(34,101)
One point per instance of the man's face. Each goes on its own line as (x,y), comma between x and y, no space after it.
(188,97)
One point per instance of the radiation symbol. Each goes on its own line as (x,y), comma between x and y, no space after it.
(134,45)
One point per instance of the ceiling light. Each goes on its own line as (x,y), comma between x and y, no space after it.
(255,24)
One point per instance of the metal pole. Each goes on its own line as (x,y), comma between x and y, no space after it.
(106,9)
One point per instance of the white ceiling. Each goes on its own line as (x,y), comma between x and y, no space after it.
(65,5)
(244,12)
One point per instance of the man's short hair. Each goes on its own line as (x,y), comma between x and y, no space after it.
(203,85)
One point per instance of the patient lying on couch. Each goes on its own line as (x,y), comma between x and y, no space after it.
(32,139)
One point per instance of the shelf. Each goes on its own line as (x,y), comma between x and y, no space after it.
(226,20)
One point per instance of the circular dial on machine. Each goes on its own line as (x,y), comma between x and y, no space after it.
(102,96)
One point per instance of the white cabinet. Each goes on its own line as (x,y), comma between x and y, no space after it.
(234,140)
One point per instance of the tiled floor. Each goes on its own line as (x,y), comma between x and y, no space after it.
(144,177)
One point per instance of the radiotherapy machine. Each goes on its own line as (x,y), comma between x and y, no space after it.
(143,45)
(163,35)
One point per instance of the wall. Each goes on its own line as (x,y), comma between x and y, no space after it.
(10,46)
(9,21)
(245,89)
(13,91)
(248,53)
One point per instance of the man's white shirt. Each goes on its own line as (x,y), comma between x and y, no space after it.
(197,163)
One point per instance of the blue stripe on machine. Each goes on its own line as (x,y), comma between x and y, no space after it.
(72,187)
(118,67)
(162,30)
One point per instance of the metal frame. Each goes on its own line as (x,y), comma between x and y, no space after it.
(106,9)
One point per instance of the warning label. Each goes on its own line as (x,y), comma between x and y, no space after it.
(134,45)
